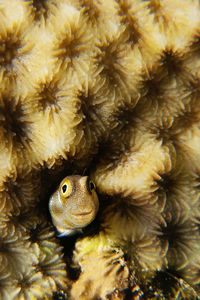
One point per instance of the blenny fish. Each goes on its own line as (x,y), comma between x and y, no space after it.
(74,204)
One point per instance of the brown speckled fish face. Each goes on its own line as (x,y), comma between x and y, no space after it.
(74,204)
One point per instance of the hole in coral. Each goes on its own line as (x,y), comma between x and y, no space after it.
(172,61)
(86,105)
(123,207)
(110,155)
(108,58)
(171,234)
(11,119)
(73,272)
(131,292)
(126,117)
(110,151)
(40,8)
(70,47)
(166,183)
(153,88)
(59,296)
(3,247)
(9,47)
(51,178)
(12,188)
(164,282)
(164,134)
(24,283)
(90,9)
(134,34)
(108,70)
(92,122)
(48,98)
(88,109)
(34,233)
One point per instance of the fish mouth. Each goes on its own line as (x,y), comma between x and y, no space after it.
(82,214)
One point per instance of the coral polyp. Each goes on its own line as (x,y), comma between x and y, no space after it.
(109,90)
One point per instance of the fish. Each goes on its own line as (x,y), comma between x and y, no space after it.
(74,204)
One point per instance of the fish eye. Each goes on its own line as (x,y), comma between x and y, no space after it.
(66,188)
(91,185)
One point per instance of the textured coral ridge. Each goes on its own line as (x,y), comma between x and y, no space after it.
(113,88)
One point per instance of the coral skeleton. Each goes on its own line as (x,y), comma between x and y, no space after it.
(108,89)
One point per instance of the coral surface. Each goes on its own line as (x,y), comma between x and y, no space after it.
(110,89)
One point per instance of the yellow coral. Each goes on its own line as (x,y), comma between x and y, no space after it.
(111,89)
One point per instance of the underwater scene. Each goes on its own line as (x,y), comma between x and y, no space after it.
(99,149)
